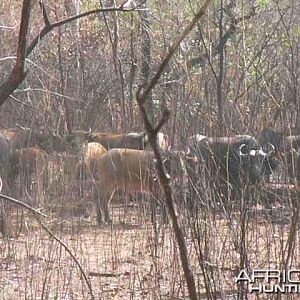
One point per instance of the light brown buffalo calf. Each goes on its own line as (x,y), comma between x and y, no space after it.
(87,166)
(122,169)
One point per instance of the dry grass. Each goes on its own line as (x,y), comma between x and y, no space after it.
(132,259)
(120,261)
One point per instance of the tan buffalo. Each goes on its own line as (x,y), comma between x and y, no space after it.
(87,166)
(131,171)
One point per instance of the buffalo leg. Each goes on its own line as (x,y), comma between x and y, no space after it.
(153,210)
(3,228)
(102,200)
(100,219)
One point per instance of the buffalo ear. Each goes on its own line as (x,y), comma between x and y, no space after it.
(187,151)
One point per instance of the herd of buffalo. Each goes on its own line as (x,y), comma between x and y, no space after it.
(125,161)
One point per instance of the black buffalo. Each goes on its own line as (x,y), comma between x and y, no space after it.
(4,156)
(4,148)
(272,142)
(291,156)
(269,137)
(236,161)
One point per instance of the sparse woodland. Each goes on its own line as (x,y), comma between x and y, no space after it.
(236,71)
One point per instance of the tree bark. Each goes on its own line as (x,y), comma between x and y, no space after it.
(18,73)
(146,58)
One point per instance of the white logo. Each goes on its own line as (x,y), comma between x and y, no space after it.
(271,281)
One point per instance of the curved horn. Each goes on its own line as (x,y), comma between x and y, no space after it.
(240,150)
(270,148)
(188,151)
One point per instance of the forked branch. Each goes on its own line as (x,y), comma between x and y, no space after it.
(141,96)
(18,73)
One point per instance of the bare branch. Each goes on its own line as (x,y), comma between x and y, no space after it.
(68,250)
(70,253)
(37,215)
(18,74)
(20,102)
(234,22)
(163,120)
(45,16)
(171,52)
(20,203)
(49,27)
(141,96)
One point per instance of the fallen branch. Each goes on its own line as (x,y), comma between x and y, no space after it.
(24,205)
(88,283)
(43,225)
(36,213)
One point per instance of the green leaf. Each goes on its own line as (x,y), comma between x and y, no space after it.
(263,3)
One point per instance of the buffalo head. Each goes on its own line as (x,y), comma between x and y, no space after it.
(237,160)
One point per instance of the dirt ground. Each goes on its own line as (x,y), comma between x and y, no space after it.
(120,261)
(132,259)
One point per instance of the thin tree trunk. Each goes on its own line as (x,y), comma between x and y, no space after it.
(18,73)
(133,67)
(220,77)
(146,58)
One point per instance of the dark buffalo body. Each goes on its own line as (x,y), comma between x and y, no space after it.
(4,148)
(291,154)
(272,142)
(235,160)
(29,138)
(4,156)
(269,137)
